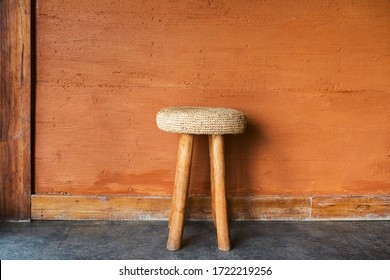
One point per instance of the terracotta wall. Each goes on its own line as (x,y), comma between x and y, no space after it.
(313,78)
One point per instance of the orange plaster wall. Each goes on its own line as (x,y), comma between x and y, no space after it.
(313,78)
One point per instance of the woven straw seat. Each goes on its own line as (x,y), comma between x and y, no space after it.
(201,120)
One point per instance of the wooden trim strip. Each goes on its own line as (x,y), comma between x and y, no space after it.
(15,110)
(61,207)
(358,207)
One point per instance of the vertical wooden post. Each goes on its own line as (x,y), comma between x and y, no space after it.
(219,193)
(15,103)
(180,192)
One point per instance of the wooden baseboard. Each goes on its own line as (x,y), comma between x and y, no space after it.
(74,207)
(356,207)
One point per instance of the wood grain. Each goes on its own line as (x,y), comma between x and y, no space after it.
(180,192)
(67,207)
(15,92)
(218,191)
(311,76)
(367,208)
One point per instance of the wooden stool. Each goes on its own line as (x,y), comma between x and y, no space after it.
(214,122)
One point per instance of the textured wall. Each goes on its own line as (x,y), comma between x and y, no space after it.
(313,78)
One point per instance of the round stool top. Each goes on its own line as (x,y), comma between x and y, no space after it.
(201,120)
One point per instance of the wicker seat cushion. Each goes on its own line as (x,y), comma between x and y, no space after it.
(201,120)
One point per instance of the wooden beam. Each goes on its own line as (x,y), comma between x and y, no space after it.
(351,207)
(77,207)
(15,103)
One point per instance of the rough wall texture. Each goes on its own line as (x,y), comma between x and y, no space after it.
(313,78)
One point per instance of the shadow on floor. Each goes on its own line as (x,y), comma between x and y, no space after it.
(147,239)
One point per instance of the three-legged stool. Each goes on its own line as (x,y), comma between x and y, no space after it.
(189,121)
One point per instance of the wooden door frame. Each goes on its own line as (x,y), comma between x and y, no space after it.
(15,110)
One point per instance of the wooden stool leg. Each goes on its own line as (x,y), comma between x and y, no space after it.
(212,181)
(180,191)
(218,171)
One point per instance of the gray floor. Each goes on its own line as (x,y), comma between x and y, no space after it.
(146,240)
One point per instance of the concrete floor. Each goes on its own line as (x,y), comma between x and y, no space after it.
(147,239)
